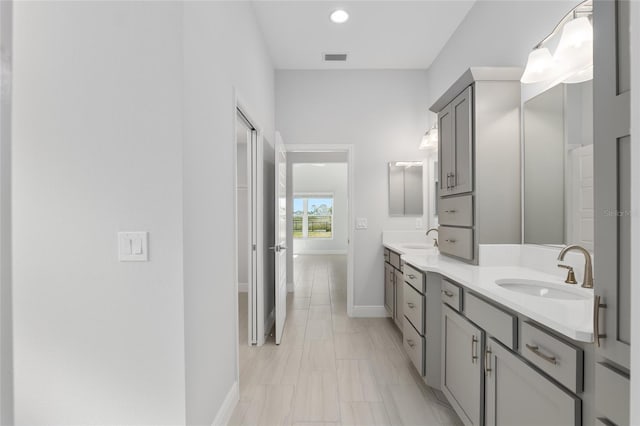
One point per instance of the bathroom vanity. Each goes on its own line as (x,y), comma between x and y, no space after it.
(504,342)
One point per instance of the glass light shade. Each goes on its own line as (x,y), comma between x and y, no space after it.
(430,139)
(574,54)
(540,66)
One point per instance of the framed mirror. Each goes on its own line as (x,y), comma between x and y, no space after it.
(558,166)
(405,188)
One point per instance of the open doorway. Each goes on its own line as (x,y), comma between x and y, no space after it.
(319,195)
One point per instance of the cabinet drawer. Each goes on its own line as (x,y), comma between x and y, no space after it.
(612,393)
(493,320)
(414,307)
(557,358)
(456,241)
(456,211)
(394,259)
(414,345)
(414,277)
(451,295)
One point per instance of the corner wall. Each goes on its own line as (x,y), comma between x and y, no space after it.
(224,56)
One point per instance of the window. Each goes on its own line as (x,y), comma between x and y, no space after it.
(313,216)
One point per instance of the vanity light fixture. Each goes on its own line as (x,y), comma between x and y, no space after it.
(408,164)
(572,61)
(430,139)
(339,16)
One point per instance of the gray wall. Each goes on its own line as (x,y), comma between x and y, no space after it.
(97,149)
(384,115)
(223,54)
(6,326)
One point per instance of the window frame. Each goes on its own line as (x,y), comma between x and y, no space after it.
(306,196)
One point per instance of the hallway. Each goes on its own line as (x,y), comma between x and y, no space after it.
(332,369)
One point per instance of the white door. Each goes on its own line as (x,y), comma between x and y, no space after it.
(281,237)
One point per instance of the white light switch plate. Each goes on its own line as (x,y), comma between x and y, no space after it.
(418,223)
(133,246)
(361,223)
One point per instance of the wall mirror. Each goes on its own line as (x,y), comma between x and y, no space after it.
(558,166)
(405,188)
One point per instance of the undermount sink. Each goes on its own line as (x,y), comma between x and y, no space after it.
(541,289)
(416,246)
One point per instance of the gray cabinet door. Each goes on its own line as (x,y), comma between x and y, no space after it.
(399,291)
(516,394)
(446,150)
(462,375)
(463,135)
(388,288)
(612,171)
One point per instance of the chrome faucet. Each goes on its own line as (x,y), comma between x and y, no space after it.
(587,281)
(435,240)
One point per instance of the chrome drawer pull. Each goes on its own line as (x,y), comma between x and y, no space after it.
(536,350)
(447,293)
(451,241)
(487,362)
(474,350)
(410,343)
(450,211)
(596,320)
(411,276)
(411,305)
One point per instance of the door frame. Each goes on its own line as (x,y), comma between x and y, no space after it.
(239,104)
(349,149)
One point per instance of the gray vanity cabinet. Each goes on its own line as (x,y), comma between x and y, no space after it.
(454,123)
(388,288)
(393,279)
(612,192)
(462,376)
(479,123)
(516,394)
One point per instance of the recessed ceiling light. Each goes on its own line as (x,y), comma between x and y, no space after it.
(339,16)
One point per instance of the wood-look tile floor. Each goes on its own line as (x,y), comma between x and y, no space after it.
(331,369)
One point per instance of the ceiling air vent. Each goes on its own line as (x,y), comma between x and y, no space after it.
(335,57)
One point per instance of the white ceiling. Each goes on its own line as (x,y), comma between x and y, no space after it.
(378,34)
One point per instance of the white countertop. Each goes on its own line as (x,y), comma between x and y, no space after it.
(572,318)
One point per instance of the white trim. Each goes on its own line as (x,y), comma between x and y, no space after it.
(362,311)
(349,149)
(305,251)
(243,287)
(223,416)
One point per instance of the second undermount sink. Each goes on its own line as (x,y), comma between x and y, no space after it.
(541,289)
(416,246)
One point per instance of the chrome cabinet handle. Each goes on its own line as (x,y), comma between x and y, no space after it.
(536,350)
(450,211)
(452,241)
(453,180)
(410,343)
(411,305)
(411,276)
(487,362)
(447,293)
(474,349)
(596,320)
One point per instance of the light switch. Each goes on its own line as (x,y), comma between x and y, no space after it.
(133,247)
(418,223)
(361,223)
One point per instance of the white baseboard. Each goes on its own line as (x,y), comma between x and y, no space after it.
(243,287)
(228,405)
(290,287)
(305,251)
(363,311)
